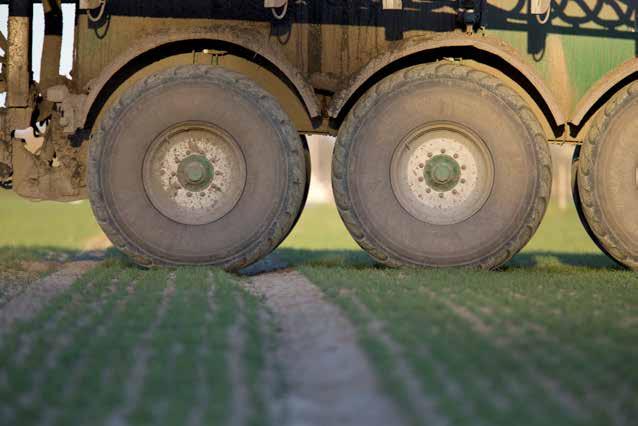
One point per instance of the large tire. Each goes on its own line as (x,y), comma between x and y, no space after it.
(196,165)
(390,204)
(306,152)
(578,203)
(608,177)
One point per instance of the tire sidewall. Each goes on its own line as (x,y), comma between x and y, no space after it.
(269,144)
(395,110)
(607,173)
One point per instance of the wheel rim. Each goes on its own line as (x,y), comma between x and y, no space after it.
(442,173)
(194,173)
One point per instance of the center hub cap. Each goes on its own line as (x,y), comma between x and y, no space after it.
(442,173)
(194,173)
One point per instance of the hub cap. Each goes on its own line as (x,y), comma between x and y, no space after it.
(442,173)
(194,173)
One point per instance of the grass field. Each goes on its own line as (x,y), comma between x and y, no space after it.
(550,340)
(125,346)
(35,238)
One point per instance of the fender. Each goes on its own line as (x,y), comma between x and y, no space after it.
(603,87)
(244,38)
(417,45)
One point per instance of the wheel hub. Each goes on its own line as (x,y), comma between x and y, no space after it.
(442,173)
(194,173)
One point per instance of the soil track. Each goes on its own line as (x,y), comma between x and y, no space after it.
(326,377)
(329,380)
(37,295)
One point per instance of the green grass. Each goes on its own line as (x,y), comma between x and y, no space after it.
(26,224)
(551,339)
(36,237)
(42,231)
(124,343)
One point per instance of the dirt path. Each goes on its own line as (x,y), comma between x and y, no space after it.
(328,378)
(28,304)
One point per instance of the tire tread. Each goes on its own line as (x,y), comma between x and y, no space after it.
(440,71)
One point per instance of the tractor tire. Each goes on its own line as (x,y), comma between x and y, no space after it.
(308,160)
(196,165)
(578,203)
(608,178)
(441,165)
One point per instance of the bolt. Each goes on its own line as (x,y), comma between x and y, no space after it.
(428,190)
(443,151)
(462,180)
(463,167)
(421,179)
(456,155)
(430,154)
(202,194)
(188,153)
(441,195)
(421,165)
(189,194)
(455,192)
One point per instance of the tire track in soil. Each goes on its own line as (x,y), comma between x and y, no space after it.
(27,305)
(328,379)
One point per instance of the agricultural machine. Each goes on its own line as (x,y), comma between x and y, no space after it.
(184,122)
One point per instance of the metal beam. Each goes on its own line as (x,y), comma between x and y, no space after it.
(18,57)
